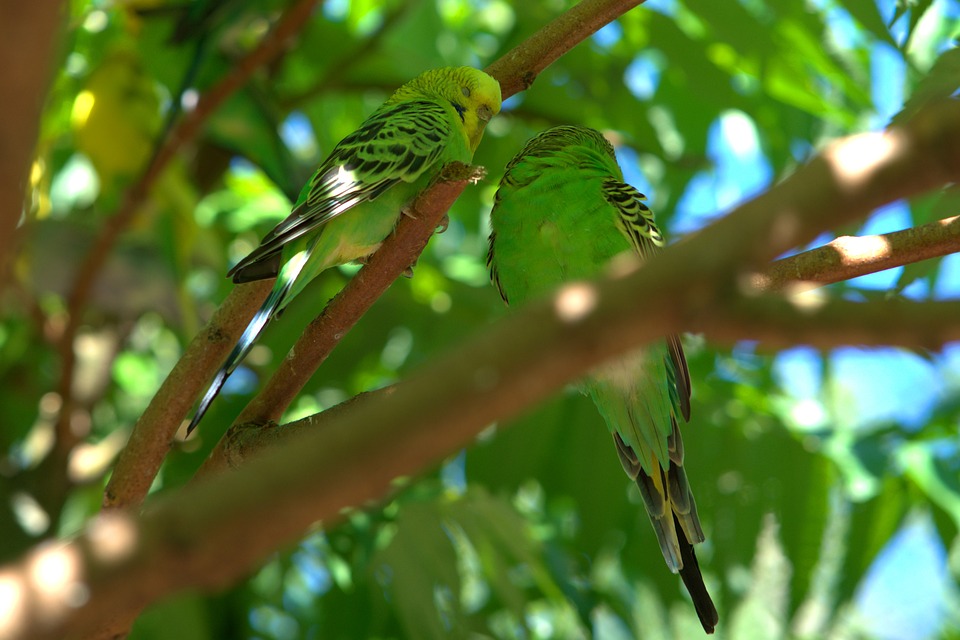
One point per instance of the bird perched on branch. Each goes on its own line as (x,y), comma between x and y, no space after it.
(357,194)
(561,214)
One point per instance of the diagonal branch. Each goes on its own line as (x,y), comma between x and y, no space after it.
(853,256)
(519,67)
(149,443)
(214,532)
(345,309)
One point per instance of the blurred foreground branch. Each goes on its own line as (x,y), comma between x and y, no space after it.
(28,35)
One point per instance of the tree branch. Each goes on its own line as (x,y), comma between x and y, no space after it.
(519,67)
(853,256)
(212,532)
(347,307)
(150,439)
(27,34)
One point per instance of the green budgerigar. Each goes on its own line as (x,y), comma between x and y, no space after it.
(356,196)
(561,214)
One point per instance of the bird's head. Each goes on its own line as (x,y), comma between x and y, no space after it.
(473,94)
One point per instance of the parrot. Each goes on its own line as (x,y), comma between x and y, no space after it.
(356,196)
(561,213)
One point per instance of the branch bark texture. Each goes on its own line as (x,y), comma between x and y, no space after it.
(854,256)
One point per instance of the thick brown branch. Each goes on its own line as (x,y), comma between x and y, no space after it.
(213,532)
(28,33)
(853,256)
(779,323)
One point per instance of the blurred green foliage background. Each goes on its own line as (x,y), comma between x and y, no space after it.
(824,519)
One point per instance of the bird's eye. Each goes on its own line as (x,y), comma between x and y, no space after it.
(465,91)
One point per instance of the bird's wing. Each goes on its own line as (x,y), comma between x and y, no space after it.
(398,143)
(636,222)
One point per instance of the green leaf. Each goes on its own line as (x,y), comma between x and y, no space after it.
(868,15)
(941,82)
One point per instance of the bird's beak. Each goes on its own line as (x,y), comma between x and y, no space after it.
(484,113)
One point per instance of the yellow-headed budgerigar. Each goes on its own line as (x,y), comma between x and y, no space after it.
(356,196)
(562,212)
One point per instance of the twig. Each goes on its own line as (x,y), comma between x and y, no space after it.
(853,256)
(336,72)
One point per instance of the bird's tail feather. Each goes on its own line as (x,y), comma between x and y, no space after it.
(693,580)
(267,310)
(668,500)
(673,514)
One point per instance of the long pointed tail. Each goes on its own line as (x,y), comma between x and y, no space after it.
(693,580)
(267,310)
(240,350)
(673,514)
